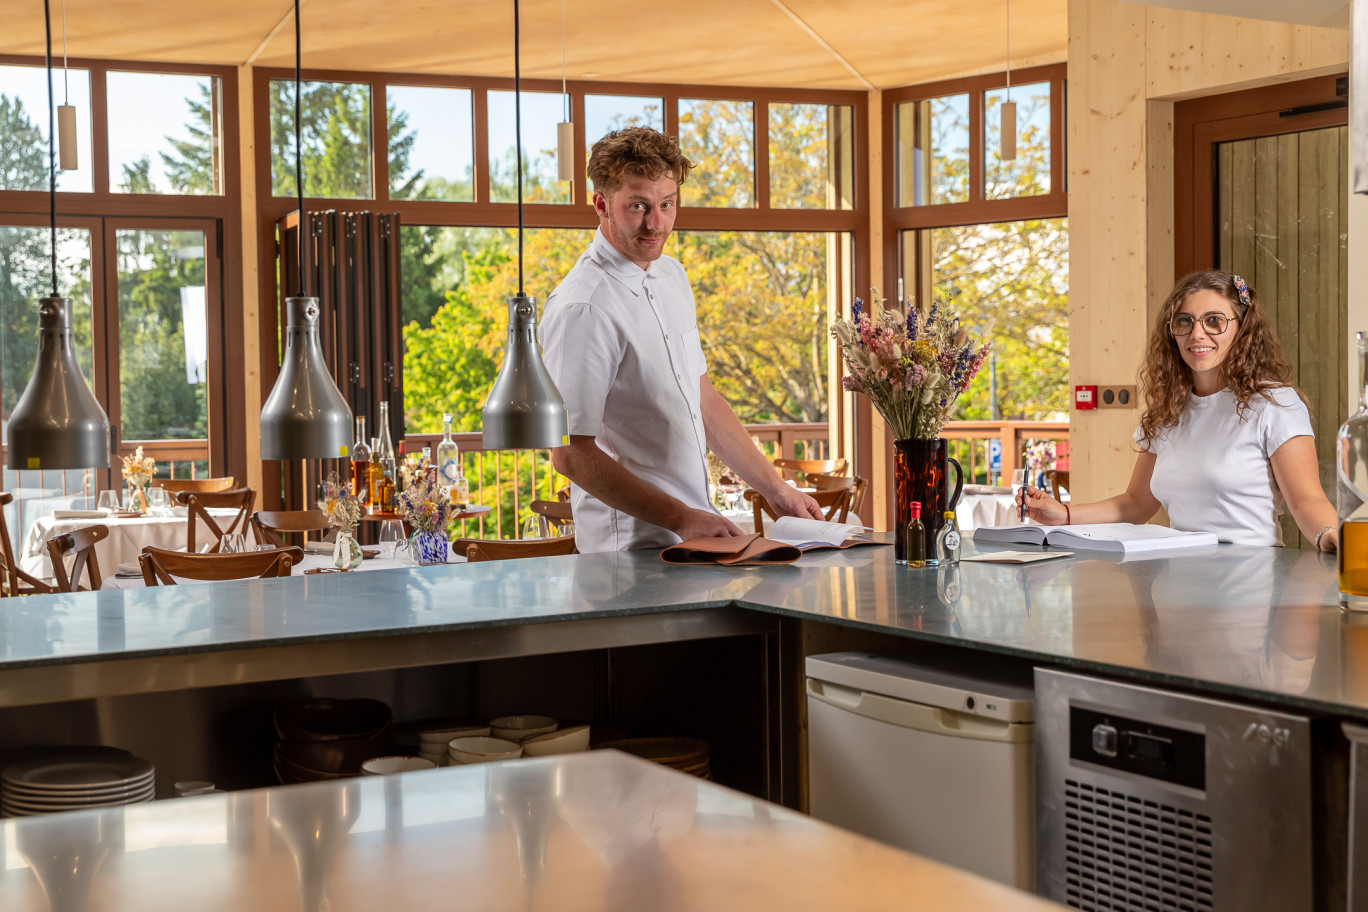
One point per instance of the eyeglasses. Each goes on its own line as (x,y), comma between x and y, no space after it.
(1213,324)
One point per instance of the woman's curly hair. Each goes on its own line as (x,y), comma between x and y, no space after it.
(1254,364)
(635,150)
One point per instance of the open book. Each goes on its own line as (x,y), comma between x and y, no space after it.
(807,534)
(1126,538)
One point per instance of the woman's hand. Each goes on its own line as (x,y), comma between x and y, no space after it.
(1041,507)
(1329,542)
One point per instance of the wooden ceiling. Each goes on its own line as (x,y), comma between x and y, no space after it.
(820,44)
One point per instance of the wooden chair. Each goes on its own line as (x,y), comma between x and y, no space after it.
(483,549)
(160,567)
(791,469)
(174,486)
(14,581)
(563,494)
(555,513)
(81,544)
(1057,480)
(267,525)
(199,504)
(836,505)
(855,484)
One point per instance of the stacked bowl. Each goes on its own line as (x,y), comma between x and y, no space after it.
(435,737)
(323,738)
(73,780)
(688,755)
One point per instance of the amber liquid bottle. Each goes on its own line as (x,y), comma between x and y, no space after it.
(916,539)
(1351,470)
(361,463)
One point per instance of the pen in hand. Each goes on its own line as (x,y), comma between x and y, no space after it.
(1021,513)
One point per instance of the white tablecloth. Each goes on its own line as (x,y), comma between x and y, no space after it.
(981,505)
(127,538)
(311,561)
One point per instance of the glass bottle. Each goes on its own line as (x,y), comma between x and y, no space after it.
(384,454)
(361,463)
(948,540)
(448,457)
(1351,471)
(377,474)
(916,539)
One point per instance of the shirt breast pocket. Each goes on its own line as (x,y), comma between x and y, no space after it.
(694,361)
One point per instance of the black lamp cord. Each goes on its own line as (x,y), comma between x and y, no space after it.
(299,152)
(52,151)
(517,138)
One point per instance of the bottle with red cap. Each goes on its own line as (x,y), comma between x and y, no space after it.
(916,539)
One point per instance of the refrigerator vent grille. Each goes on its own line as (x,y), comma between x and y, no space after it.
(1130,854)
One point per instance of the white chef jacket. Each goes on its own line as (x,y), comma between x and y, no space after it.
(622,345)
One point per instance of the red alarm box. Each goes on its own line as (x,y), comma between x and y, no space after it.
(1085,397)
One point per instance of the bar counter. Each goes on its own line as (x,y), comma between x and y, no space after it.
(598,831)
(1256,623)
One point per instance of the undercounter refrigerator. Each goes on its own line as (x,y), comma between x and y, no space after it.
(921,756)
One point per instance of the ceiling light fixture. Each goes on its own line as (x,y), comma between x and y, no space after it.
(57,422)
(524,410)
(1007,134)
(306,416)
(66,114)
(565,130)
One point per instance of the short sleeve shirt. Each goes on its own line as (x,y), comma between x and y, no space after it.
(622,345)
(1212,471)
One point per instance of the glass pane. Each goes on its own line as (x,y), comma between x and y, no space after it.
(719,138)
(810,156)
(431,144)
(541,111)
(605,113)
(933,151)
(24,128)
(1015,274)
(163,335)
(455,281)
(164,133)
(765,329)
(1029,173)
(336,135)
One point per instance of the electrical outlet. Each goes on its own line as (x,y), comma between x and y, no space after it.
(1116,397)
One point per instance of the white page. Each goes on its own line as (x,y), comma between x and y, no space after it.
(797,531)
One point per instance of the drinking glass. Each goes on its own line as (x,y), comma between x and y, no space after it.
(266,547)
(233,543)
(391,536)
(567,527)
(109,501)
(534,527)
(158,500)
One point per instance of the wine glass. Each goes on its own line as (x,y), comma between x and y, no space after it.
(233,543)
(158,500)
(109,500)
(534,527)
(391,536)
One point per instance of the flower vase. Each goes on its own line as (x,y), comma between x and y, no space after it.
(346,551)
(431,546)
(919,474)
(137,498)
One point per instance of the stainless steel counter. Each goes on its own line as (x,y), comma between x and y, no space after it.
(1254,622)
(598,831)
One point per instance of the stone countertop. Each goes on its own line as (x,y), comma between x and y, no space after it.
(596,831)
(1254,622)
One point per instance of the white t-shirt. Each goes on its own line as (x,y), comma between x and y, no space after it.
(622,345)
(1212,471)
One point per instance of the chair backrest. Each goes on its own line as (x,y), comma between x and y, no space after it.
(855,484)
(160,567)
(176,485)
(14,581)
(1058,480)
(835,504)
(563,494)
(555,512)
(198,505)
(792,468)
(81,544)
(267,525)
(483,549)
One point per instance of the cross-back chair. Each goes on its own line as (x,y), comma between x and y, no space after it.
(855,483)
(174,486)
(791,469)
(80,543)
(161,567)
(198,505)
(835,506)
(269,527)
(14,581)
(1058,480)
(484,549)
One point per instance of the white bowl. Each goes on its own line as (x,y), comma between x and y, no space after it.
(516,728)
(437,739)
(435,758)
(570,740)
(482,750)
(385,766)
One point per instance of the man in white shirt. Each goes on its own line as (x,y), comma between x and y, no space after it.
(621,341)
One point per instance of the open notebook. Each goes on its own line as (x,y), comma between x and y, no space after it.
(807,534)
(1126,538)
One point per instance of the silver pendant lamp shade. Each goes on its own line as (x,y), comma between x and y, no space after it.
(524,410)
(305,417)
(57,423)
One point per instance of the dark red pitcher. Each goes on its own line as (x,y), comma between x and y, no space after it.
(919,468)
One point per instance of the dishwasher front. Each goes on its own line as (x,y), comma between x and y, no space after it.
(916,755)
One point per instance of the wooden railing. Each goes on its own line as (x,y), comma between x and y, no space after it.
(972,444)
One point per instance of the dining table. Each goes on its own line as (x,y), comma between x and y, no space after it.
(317,558)
(127,536)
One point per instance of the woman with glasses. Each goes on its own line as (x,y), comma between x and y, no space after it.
(1225,441)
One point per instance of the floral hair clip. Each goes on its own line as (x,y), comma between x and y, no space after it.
(1243,289)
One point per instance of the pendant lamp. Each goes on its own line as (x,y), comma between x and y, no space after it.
(306,416)
(1007,134)
(565,130)
(57,422)
(524,410)
(66,112)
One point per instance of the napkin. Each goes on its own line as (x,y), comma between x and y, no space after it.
(318,547)
(128,570)
(79,514)
(740,551)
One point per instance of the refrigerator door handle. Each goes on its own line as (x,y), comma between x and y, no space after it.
(918,716)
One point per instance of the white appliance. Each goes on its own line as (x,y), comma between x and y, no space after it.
(932,760)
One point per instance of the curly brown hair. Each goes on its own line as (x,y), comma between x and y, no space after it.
(1255,362)
(637,151)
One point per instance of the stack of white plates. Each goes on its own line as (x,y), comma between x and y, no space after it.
(69,782)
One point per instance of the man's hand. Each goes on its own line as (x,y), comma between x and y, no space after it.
(792,502)
(705,524)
